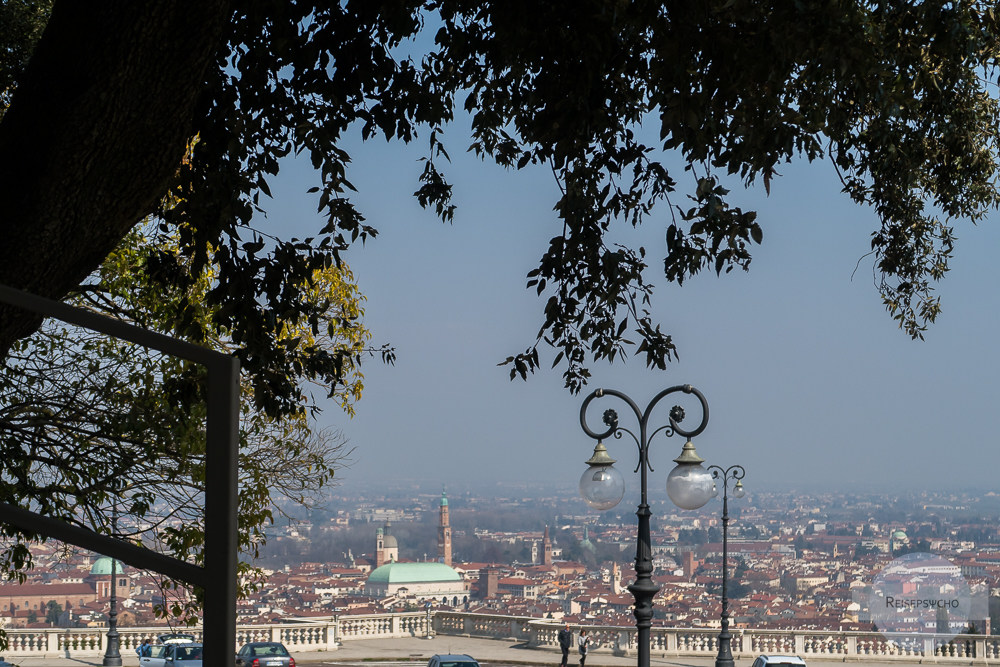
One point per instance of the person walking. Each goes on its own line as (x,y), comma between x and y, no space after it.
(565,641)
(583,643)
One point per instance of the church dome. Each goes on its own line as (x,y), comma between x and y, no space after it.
(390,542)
(412,573)
(102,566)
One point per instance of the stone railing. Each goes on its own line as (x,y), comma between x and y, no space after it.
(329,634)
(746,643)
(300,637)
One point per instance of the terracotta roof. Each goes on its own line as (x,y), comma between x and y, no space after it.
(23,590)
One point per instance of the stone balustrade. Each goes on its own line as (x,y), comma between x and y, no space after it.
(666,642)
(328,634)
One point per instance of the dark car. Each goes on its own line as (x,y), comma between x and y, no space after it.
(264,654)
(451,660)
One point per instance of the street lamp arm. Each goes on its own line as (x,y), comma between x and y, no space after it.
(733,473)
(670,430)
(610,417)
(677,413)
(621,429)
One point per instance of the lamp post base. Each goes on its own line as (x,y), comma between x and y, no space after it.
(725,656)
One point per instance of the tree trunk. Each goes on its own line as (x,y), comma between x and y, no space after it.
(98,124)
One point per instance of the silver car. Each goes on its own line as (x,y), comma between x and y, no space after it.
(264,654)
(174,655)
(153,657)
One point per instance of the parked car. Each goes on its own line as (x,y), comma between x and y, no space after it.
(450,660)
(174,655)
(154,658)
(264,654)
(779,661)
(176,638)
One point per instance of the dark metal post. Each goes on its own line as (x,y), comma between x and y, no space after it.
(725,655)
(112,654)
(644,589)
(221,479)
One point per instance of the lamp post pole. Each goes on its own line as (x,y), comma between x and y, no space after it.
(603,487)
(726,475)
(112,655)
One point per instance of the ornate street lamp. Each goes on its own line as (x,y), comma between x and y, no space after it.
(689,485)
(732,473)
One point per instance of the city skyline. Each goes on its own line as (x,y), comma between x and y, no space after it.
(809,381)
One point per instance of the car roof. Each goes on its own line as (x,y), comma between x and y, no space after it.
(790,659)
(263,644)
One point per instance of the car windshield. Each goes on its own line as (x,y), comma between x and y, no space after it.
(269,649)
(459,663)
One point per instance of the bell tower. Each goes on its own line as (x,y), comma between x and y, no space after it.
(444,533)
(379,548)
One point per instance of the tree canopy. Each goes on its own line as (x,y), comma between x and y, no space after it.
(897,95)
(183,111)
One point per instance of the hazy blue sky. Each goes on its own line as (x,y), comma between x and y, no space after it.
(810,382)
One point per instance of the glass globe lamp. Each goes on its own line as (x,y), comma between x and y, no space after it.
(738,490)
(689,485)
(601,486)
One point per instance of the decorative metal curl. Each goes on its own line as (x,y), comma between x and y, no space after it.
(675,417)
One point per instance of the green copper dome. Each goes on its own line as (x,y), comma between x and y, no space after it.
(412,573)
(102,566)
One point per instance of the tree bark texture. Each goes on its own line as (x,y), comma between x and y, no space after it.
(98,124)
